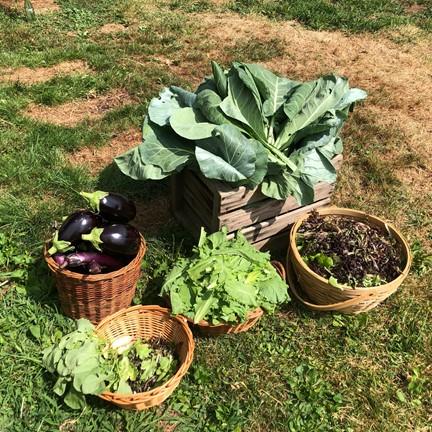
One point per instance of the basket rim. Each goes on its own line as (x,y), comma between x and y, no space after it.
(356,214)
(181,371)
(95,277)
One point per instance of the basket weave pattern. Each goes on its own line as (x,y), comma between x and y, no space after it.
(96,296)
(253,317)
(325,297)
(146,323)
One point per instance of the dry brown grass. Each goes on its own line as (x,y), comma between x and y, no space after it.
(39,6)
(30,76)
(111,28)
(98,158)
(72,113)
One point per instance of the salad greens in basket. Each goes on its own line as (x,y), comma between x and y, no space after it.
(223,281)
(87,364)
(247,126)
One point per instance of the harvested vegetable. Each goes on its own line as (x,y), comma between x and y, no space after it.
(223,281)
(348,252)
(95,261)
(111,206)
(247,126)
(116,238)
(87,364)
(71,230)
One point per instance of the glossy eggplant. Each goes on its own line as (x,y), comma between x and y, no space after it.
(95,261)
(112,206)
(122,239)
(71,230)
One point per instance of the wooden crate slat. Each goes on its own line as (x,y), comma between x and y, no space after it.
(199,206)
(275,243)
(263,210)
(237,197)
(275,225)
(190,220)
(197,186)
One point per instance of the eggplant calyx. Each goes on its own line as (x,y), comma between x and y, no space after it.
(94,238)
(94,198)
(59,245)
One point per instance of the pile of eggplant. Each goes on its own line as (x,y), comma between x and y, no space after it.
(99,240)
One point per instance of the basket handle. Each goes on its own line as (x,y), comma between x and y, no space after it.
(280,268)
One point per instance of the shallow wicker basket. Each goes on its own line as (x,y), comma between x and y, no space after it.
(146,323)
(207,329)
(321,296)
(96,296)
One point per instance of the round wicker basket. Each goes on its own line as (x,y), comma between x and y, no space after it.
(146,323)
(324,297)
(207,329)
(96,296)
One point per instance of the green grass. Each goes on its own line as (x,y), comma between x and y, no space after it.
(295,371)
(348,15)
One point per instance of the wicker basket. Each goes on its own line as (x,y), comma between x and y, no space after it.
(207,329)
(96,296)
(320,294)
(146,323)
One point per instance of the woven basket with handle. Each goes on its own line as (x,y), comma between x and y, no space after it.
(207,329)
(96,296)
(147,323)
(316,293)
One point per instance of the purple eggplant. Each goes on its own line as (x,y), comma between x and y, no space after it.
(95,261)
(112,206)
(71,230)
(115,239)
(60,259)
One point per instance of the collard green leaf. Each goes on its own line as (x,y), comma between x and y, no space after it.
(191,124)
(248,80)
(317,168)
(273,88)
(164,149)
(132,165)
(160,109)
(220,80)
(228,155)
(93,384)
(240,105)
(185,98)
(207,102)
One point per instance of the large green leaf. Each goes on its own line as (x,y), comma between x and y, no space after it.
(160,109)
(191,124)
(203,307)
(164,149)
(241,105)
(328,91)
(207,102)
(274,89)
(186,98)
(281,186)
(248,80)
(228,155)
(220,80)
(242,292)
(260,164)
(317,168)
(132,165)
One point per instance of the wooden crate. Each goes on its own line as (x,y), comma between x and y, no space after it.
(197,201)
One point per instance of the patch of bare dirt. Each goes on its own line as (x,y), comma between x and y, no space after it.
(111,28)
(26,75)
(39,6)
(415,9)
(98,158)
(72,113)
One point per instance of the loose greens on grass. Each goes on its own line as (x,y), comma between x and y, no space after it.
(247,126)
(88,364)
(347,252)
(223,281)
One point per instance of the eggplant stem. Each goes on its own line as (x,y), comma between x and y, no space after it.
(93,198)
